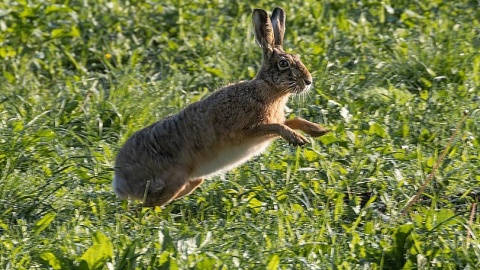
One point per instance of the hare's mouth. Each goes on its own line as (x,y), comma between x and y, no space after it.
(296,84)
(300,85)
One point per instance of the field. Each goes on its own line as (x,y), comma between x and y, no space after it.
(397,82)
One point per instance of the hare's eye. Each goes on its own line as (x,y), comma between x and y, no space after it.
(283,64)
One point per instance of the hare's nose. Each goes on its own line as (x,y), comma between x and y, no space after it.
(307,82)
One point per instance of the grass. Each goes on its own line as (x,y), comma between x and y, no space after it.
(391,79)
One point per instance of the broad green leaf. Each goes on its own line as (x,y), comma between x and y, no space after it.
(255,204)
(7,51)
(163,258)
(445,215)
(452,152)
(274,262)
(43,223)
(401,233)
(46,134)
(329,139)
(369,227)
(418,219)
(27,12)
(399,236)
(376,129)
(424,94)
(430,162)
(3,226)
(173,264)
(74,32)
(99,253)
(9,76)
(310,155)
(51,260)
(426,82)
(206,263)
(214,71)
(57,33)
(400,156)
(57,8)
(17,126)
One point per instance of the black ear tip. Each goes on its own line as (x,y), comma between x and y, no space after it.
(260,11)
(278,10)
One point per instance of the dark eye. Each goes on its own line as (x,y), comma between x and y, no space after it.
(283,64)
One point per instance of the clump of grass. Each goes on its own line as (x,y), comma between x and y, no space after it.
(391,79)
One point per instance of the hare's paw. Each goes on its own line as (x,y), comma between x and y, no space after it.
(317,130)
(312,129)
(297,139)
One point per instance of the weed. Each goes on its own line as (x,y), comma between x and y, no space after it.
(391,79)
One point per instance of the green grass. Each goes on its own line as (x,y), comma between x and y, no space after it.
(391,80)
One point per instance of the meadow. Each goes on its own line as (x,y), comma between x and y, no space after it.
(397,82)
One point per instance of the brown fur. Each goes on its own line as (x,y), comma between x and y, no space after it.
(170,158)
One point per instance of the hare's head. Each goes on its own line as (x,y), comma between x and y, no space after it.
(280,69)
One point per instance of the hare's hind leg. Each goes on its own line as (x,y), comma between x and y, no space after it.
(308,127)
(189,188)
(172,184)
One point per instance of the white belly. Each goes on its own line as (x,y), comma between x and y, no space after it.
(230,158)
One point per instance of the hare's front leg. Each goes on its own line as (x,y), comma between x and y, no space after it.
(284,131)
(166,187)
(308,127)
(188,188)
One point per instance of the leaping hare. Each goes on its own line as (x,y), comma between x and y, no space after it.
(170,158)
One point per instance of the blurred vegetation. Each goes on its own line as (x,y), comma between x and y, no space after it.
(391,79)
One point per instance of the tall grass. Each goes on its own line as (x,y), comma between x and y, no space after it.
(391,79)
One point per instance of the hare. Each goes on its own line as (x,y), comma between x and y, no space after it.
(172,157)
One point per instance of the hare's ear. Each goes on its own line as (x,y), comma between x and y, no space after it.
(278,23)
(263,31)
